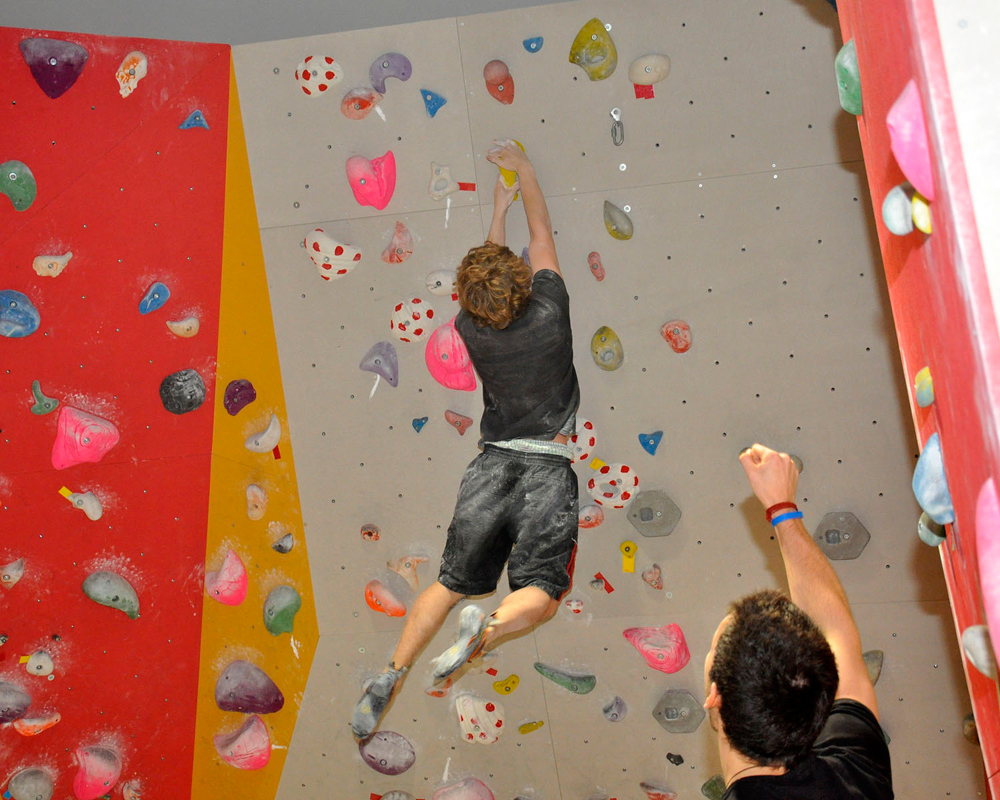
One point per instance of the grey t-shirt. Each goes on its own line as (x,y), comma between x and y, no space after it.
(530,387)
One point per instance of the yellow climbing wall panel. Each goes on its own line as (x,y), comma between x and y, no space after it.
(247,351)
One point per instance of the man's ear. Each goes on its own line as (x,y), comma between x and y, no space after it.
(714,699)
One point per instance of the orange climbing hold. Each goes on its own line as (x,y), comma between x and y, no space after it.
(459,422)
(379,598)
(499,82)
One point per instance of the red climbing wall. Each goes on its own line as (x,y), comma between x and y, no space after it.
(940,296)
(136,200)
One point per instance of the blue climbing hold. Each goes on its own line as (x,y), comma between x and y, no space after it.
(194,120)
(930,484)
(419,423)
(432,101)
(18,316)
(534,44)
(650,441)
(156,295)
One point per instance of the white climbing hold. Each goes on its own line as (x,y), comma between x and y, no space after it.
(266,440)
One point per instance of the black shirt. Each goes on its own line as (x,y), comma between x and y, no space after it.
(530,387)
(849,761)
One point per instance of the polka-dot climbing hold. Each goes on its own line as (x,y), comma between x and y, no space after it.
(459,422)
(594,51)
(613,485)
(17,181)
(411,320)
(650,441)
(316,74)
(584,440)
(132,70)
(677,333)
(55,64)
(196,119)
(617,222)
(374,181)
(432,102)
(533,44)
(389,65)
(499,82)
(99,769)
(332,259)
(908,139)
(418,423)
(359,102)
(481,720)
(848,78)
(606,349)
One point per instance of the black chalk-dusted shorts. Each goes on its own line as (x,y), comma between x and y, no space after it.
(514,508)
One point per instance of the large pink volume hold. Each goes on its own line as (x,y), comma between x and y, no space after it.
(81,438)
(663,648)
(372,182)
(100,768)
(448,359)
(988,554)
(908,139)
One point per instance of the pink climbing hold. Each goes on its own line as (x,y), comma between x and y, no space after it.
(988,554)
(590,516)
(247,748)
(380,598)
(653,576)
(372,182)
(448,359)
(465,789)
(499,82)
(908,139)
(459,422)
(81,438)
(663,648)
(100,768)
(596,267)
(401,246)
(229,584)
(677,334)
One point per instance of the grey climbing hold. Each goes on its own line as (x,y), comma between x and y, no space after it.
(653,513)
(979,650)
(112,590)
(33,783)
(678,711)
(617,222)
(930,485)
(616,710)
(88,503)
(280,607)
(841,536)
(381,359)
(388,752)
(246,688)
(797,462)
(14,702)
(929,531)
(284,544)
(873,663)
(182,391)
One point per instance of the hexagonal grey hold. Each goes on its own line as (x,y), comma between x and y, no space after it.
(653,513)
(841,536)
(678,711)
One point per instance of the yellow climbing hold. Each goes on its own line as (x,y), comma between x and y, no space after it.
(65,492)
(628,549)
(921,212)
(594,51)
(508,175)
(597,463)
(528,727)
(507,685)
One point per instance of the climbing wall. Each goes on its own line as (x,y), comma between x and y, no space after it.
(744,183)
(126,200)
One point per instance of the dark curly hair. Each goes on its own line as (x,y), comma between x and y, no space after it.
(777,677)
(493,285)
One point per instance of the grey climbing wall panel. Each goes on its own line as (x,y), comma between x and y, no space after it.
(752,223)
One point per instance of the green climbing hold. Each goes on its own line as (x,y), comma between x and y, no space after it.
(280,608)
(18,183)
(43,404)
(714,787)
(576,682)
(848,79)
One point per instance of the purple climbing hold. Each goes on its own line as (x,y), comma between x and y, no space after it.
(239,394)
(55,64)
(388,752)
(246,688)
(616,710)
(14,702)
(389,65)
(524,256)
(382,360)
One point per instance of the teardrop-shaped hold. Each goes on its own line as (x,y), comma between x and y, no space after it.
(182,391)
(256,501)
(465,789)
(246,688)
(359,102)
(649,69)
(18,315)
(100,768)
(418,423)
(14,702)
(184,328)
(931,533)
(873,663)
(133,69)
(239,394)
(372,182)
(616,710)
(930,485)
(441,183)
(447,358)
(590,516)
(388,752)
(316,74)
(653,576)
(979,650)
(266,440)
(112,590)
(606,348)
(228,585)
(88,503)
(81,438)
(411,320)
(459,422)
(154,298)
(17,181)
(897,209)
(50,266)
(33,783)
(55,64)
(988,553)
(533,44)
(35,724)
(40,664)
(389,65)
(617,222)
(576,682)
(280,607)
(596,267)
(677,334)
(908,139)
(441,283)
(507,685)
(663,648)
(650,441)
(920,211)
(594,51)
(331,258)
(848,78)
(11,573)
(247,748)
(406,568)
(432,102)
(481,720)
(43,404)
(196,119)
(379,597)
(401,246)
(499,82)
(284,545)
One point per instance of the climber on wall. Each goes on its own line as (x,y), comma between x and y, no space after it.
(517,503)
(788,693)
